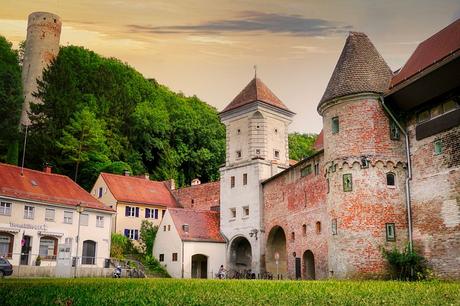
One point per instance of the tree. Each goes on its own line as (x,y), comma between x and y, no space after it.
(10,102)
(83,140)
(147,236)
(301,145)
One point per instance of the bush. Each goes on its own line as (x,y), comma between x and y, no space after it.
(154,266)
(121,246)
(406,265)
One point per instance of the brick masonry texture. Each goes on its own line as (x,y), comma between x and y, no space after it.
(435,190)
(201,197)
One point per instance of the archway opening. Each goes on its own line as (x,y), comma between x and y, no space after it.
(89,253)
(199,266)
(240,254)
(308,265)
(276,253)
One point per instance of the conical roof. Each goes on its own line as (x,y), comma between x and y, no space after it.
(256,90)
(360,69)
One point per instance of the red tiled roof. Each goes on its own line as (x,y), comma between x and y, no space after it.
(429,52)
(256,90)
(44,187)
(138,190)
(204,225)
(319,143)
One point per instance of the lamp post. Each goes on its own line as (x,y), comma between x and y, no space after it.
(80,209)
(277,261)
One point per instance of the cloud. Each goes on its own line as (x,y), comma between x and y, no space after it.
(251,21)
(209,40)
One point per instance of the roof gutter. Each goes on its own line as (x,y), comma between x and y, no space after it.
(409,172)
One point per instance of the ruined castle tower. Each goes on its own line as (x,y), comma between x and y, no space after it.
(364,160)
(256,123)
(42,46)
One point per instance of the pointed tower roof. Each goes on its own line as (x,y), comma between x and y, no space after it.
(360,69)
(256,90)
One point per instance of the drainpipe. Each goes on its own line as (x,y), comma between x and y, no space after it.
(409,172)
(182,258)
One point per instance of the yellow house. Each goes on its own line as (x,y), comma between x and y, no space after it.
(134,199)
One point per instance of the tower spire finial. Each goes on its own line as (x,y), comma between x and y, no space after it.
(255,71)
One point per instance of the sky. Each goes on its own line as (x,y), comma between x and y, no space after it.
(209,48)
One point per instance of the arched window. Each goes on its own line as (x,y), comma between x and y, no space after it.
(6,244)
(48,248)
(304,229)
(293,236)
(390,179)
(89,252)
(318,227)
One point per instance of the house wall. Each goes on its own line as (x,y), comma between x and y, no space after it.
(168,242)
(290,202)
(61,230)
(128,222)
(107,197)
(215,253)
(203,196)
(435,196)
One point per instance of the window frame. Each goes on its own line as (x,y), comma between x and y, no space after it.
(245,179)
(174,257)
(161,257)
(47,218)
(395,134)
(232,213)
(389,175)
(438,147)
(347,188)
(232,181)
(390,227)
(5,208)
(276,154)
(335,125)
(246,211)
(334,226)
(47,256)
(66,217)
(29,212)
(99,221)
(87,219)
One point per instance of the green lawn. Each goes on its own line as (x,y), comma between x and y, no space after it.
(224,292)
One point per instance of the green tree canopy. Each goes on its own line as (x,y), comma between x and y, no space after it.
(10,102)
(301,145)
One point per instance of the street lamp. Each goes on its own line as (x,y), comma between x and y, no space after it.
(80,209)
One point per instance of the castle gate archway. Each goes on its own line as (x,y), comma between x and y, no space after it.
(276,253)
(199,266)
(240,254)
(308,265)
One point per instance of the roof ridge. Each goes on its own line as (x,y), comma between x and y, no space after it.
(36,171)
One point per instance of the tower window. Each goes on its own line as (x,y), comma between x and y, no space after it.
(394,131)
(245,178)
(277,154)
(232,181)
(304,229)
(364,162)
(238,154)
(276,131)
(335,125)
(390,179)
(292,236)
(238,131)
(246,211)
(318,227)
(334,226)
(257,151)
(437,147)
(390,231)
(347,182)
(232,213)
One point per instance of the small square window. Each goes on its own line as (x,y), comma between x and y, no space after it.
(232,181)
(232,213)
(437,147)
(347,182)
(246,211)
(245,178)
(100,221)
(238,154)
(5,208)
(174,256)
(334,226)
(335,125)
(68,216)
(277,154)
(390,179)
(29,212)
(390,231)
(161,258)
(257,151)
(238,131)
(49,214)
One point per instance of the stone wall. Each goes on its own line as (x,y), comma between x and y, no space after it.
(296,204)
(203,196)
(435,194)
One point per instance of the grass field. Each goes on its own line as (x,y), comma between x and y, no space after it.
(224,292)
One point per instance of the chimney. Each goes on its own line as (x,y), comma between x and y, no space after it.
(47,169)
(186,228)
(196,182)
(126,172)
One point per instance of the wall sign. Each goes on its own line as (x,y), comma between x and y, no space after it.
(37,227)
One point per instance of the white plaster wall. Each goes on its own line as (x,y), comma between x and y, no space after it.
(214,251)
(107,197)
(167,243)
(101,235)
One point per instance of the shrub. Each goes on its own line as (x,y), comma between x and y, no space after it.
(406,265)
(155,267)
(121,246)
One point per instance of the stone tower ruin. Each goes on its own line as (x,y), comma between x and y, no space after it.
(42,46)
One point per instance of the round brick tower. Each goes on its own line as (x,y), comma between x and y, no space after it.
(365,164)
(42,46)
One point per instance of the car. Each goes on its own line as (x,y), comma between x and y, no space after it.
(6,268)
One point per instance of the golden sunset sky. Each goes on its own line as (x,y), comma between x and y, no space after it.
(208,48)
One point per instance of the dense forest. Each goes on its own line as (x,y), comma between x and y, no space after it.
(99,114)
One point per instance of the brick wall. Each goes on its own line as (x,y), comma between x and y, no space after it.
(203,196)
(435,194)
(290,202)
